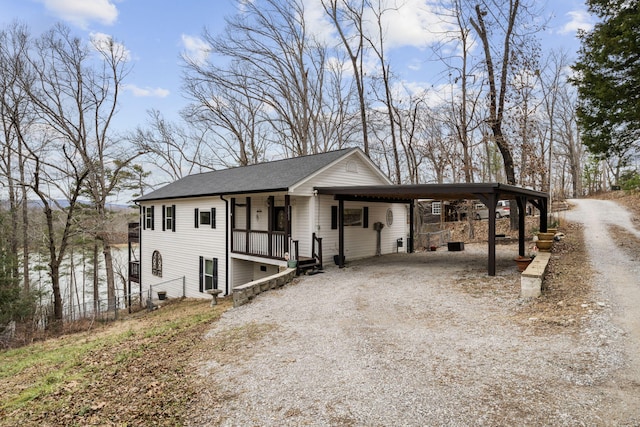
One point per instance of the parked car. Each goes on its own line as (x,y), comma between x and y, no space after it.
(502,210)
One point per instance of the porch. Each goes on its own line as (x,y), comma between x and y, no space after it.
(261,227)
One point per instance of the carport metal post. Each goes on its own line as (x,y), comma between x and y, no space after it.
(491,201)
(522,205)
(411,231)
(340,233)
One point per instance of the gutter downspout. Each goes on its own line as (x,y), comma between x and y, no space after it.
(140,219)
(226,243)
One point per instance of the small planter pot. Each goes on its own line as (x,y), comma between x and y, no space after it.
(433,248)
(546,235)
(292,263)
(336,259)
(523,262)
(162,295)
(544,245)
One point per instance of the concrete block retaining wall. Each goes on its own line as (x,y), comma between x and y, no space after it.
(532,277)
(244,293)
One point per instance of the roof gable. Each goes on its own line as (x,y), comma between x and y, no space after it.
(357,155)
(278,175)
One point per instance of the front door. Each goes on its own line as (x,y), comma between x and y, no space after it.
(279,218)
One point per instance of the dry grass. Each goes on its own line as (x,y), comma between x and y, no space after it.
(135,372)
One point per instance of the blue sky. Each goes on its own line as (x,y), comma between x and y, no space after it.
(156,32)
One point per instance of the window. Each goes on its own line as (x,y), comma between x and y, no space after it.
(156,264)
(208,274)
(352,217)
(148,217)
(436,208)
(169,218)
(205,217)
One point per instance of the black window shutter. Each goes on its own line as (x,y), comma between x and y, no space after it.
(334,217)
(164,217)
(201,274)
(144,217)
(215,273)
(213,217)
(365,217)
(196,222)
(173,218)
(153,218)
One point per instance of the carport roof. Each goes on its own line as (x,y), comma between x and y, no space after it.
(488,193)
(403,193)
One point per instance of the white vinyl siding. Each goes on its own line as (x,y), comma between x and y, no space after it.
(342,174)
(247,271)
(182,250)
(242,272)
(302,229)
(361,242)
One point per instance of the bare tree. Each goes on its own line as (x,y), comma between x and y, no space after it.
(567,137)
(497,76)
(463,78)
(526,129)
(279,65)
(560,102)
(76,98)
(224,103)
(377,43)
(436,147)
(58,179)
(347,16)
(409,115)
(15,119)
(172,149)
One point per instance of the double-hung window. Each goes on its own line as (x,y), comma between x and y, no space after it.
(147,213)
(169,217)
(208,274)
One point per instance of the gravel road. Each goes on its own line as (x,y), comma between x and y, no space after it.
(423,339)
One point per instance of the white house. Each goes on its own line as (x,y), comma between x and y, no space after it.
(222,229)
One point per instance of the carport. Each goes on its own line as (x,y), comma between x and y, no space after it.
(487,193)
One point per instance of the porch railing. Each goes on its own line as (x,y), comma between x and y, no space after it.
(316,249)
(134,271)
(270,244)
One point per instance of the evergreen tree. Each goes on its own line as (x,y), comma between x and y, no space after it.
(608,80)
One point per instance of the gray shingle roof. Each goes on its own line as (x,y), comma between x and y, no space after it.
(278,175)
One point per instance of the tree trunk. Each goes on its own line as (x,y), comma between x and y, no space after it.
(54,267)
(108,264)
(96,288)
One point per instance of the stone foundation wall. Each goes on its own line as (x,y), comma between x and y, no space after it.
(244,293)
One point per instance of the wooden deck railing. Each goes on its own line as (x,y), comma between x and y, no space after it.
(271,244)
(134,271)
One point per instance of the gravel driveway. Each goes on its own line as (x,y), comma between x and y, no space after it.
(412,340)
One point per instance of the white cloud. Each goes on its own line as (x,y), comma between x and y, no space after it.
(414,23)
(579,20)
(81,12)
(102,42)
(196,49)
(409,23)
(146,92)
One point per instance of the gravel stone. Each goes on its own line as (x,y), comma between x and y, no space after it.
(415,340)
